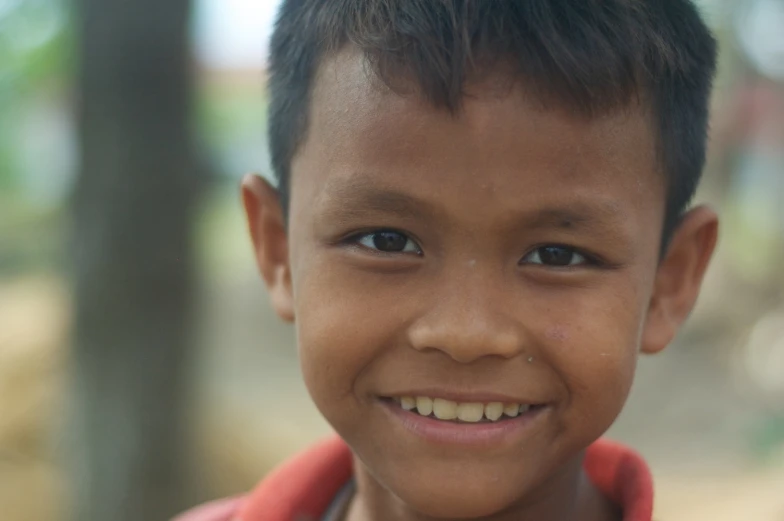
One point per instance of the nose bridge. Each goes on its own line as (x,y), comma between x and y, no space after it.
(467,318)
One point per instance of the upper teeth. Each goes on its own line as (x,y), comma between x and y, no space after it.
(467,412)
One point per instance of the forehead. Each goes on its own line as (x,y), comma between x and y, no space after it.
(502,145)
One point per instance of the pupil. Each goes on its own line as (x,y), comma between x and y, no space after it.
(555,256)
(389,241)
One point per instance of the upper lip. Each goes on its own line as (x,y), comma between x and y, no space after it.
(464,396)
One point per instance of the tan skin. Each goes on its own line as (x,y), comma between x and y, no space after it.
(464,295)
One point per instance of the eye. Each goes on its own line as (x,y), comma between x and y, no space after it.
(556,256)
(388,241)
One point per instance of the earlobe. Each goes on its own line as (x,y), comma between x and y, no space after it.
(679,278)
(267,227)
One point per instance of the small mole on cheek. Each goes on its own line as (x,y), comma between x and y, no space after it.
(558,333)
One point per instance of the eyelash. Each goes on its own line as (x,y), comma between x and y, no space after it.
(356,240)
(587,259)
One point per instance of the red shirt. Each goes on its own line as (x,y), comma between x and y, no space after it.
(303,488)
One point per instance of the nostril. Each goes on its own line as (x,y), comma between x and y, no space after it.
(466,339)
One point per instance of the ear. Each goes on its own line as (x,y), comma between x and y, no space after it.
(679,277)
(267,226)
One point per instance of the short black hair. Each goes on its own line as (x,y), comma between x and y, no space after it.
(593,56)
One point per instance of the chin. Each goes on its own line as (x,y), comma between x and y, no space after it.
(465,499)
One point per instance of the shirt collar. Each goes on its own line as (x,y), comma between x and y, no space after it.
(304,487)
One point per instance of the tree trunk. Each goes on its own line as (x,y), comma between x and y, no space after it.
(132,258)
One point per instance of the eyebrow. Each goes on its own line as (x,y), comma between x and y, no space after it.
(573,215)
(357,199)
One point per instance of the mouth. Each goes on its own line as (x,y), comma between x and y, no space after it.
(444,410)
(491,425)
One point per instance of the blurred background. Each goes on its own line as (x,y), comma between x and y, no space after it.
(141,368)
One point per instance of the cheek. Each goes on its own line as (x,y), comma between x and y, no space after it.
(333,340)
(342,328)
(593,347)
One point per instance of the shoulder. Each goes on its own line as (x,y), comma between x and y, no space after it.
(303,487)
(623,476)
(221,510)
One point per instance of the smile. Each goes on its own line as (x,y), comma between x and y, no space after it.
(473,423)
(468,412)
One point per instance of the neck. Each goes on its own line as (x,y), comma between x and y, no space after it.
(566,496)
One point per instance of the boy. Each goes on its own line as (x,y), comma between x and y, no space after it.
(480,222)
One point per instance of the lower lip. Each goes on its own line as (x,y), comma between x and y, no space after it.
(464,434)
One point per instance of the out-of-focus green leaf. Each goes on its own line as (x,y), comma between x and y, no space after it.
(35,57)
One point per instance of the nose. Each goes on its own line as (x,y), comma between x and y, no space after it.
(468,318)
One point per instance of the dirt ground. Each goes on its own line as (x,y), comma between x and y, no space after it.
(685,415)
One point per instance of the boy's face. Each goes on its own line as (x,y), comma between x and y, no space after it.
(507,254)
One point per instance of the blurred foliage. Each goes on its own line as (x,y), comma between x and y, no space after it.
(36,44)
(767,438)
(231,115)
(36,59)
